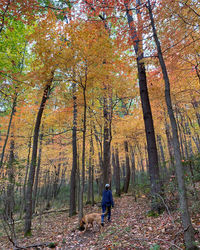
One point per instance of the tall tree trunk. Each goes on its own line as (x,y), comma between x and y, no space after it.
(162,154)
(106,143)
(93,183)
(28,216)
(118,190)
(128,173)
(37,174)
(169,142)
(9,201)
(8,130)
(72,209)
(11,178)
(141,158)
(78,180)
(188,132)
(114,167)
(187,225)
(133,172)
(100,156)
(195,105)
(180,136)
(83,155)
(147,114)
(91,154)
(184,133)
(26,175)
(196,140)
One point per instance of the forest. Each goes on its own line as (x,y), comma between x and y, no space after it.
(94,93)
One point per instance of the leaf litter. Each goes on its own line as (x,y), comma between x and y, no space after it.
(130,228)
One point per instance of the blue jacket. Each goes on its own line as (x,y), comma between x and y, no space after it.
(107,199)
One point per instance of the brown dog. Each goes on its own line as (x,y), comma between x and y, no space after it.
(90,219)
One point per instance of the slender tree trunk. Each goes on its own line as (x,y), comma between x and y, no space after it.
(106,144)
(128,173)
(123,174)
(92,183)
(195,105)
(114,167)
(156,204)
(179,131)
(133,172)
(184,133)
(8,130)
(45,186)
(118,189)
(11,178)
(141,158)
(9,200)
(83,154)
(196,140)
(26,174)
(188,132)
(78,180)
(162,154)
(187,225)
(56,178)
(89,196)
(89,190)
(28,216)
(72,209)
(37,174)
(169,142)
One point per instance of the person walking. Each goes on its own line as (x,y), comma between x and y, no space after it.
(106,203)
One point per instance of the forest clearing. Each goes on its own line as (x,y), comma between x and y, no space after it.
(100,99)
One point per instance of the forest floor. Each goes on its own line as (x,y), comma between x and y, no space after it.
(130,228)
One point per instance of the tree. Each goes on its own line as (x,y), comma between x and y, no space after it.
(72,210)
(128,172)
(28,207)
(188,229)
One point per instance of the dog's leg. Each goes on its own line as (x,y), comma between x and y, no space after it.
(86,226)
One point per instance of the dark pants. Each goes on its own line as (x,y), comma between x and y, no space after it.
(104,210)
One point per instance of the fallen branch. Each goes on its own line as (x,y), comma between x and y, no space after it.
(166,207)
(44,244)
(52,211)
(45,212)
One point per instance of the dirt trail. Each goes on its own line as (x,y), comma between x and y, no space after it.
(130,228)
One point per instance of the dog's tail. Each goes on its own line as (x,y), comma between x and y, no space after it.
(106,211)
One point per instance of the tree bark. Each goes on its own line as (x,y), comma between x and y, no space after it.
(147,114)
(162,157)
(26,174)
(8,130)
(89,195)
(72,209)
(83,154)
(186,221)
(133,172)
(114,167)
(118,190)
(28,215)
(37,174)
(106,143)
(10,202)
(195,105)
(169,142)
(128,173)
